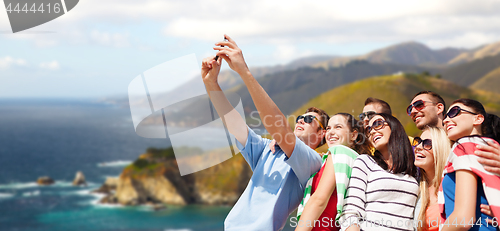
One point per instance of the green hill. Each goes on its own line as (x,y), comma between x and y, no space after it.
(397,90)
(490,82)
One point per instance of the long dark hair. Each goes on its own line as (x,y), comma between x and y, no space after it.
(400,148)
(360,145)
(491,125)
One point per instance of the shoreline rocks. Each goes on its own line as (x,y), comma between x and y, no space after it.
(155,180)
(45,180)
(79,179)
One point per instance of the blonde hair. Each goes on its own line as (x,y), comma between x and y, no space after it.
(441,147)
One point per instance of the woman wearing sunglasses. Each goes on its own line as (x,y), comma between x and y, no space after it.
(466,184)
(431,152)
(383,190)
(325,190)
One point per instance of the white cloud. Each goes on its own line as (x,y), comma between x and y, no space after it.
(337,21)
(287,53)
(467,40)
(7,62)
(52,66)
(277,22)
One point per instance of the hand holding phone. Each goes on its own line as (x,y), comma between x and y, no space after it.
(225,40)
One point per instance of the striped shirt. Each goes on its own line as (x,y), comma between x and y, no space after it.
(377,199)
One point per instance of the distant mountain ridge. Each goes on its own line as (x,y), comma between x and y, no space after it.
(229,78)
(409,53)
(468,73)
(481,52)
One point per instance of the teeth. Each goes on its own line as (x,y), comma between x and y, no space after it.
(333,139)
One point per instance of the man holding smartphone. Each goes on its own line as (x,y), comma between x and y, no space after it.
(278,181)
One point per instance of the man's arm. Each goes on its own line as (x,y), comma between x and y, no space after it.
(233,120)
(273,119)
(489,157)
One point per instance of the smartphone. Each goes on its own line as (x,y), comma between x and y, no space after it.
(225,40)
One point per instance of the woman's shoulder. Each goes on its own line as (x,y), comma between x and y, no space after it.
(367,159)
(474,139)
(468,144)
(342,149)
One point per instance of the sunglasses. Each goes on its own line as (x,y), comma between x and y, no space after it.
(377,125)
(309,119)
(454,111)
(418,105)
(368,114)
(426,144)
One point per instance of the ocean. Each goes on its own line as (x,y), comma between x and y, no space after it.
(57,138)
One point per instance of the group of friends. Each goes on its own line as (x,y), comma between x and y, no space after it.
(374,176)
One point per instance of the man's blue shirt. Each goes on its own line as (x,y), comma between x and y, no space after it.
(276,187)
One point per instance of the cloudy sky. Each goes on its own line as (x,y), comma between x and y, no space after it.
(99,46)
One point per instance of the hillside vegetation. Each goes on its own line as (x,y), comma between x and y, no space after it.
(467,73)
(490,82)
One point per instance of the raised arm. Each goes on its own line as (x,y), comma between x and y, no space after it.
(233,120)
(273,119)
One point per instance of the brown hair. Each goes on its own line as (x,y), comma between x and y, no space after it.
(386,108)
(399,146)
(360,145)
(436,98)
(491,124)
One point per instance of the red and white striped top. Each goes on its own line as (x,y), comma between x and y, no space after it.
(462,157)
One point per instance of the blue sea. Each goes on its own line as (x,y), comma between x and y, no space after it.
(57,138)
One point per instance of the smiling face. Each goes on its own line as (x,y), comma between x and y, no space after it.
(424,159)
(338,132)
(379,138)
(429,115)
(309,132)
(464,124)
